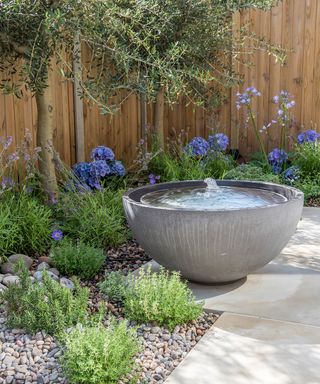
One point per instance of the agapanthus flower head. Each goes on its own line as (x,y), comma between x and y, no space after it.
(309,136)
(218,142)
(95,183)
(102,153)
(198,146)
(57,235)
(153,179)
(117,169)
(246,97)
(291,174)
(13,157)
(99,169)
(277,159)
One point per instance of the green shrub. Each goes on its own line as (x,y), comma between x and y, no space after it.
(184,166)
(113,286)
(98,355)
(47,306)
(25,224)
(94,218)
(307,158)
(310,187)
(77,258)
(252,172)
(160,297)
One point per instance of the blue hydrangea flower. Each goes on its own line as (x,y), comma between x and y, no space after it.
(291,174)
(309,136)
(277,159)
(57,235)
(218,142)
(94,183)
(102,153)
(117,168)
(198,146)
(82,170)
(99,169)
(153,179)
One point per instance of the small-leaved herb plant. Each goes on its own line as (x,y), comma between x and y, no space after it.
(98,354)
(45,306)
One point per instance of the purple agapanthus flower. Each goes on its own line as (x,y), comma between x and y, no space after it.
(99,169)
(102,153)
(94,183)
(153,179)
(246,97)
(218,142)
(292,174)
(57,235)
(277,159)
(6,142)
(198,146)
(309,136)
(117,169)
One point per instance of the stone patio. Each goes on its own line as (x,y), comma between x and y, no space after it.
(269,330)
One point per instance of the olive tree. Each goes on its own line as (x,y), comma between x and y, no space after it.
(168,48)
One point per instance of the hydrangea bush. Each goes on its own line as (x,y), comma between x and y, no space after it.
(102,166)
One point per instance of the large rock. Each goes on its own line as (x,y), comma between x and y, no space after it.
(7,268)
(43,266)
(13,259)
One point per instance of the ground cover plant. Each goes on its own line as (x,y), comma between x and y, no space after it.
(98,354)
(76,258)
(155,297)
(44,306)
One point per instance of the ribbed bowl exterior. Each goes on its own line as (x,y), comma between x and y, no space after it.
(213,246)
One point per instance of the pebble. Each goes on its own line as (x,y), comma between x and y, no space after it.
(64,282)
(11,279)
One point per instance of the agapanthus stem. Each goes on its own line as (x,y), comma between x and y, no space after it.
(256,131)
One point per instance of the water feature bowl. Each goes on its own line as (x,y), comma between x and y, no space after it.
(213,235)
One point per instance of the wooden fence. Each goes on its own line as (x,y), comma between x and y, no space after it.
(294,24)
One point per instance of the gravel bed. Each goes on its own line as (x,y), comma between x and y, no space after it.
(35,359)
(313,202)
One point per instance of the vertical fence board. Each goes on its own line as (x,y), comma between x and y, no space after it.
(294,24)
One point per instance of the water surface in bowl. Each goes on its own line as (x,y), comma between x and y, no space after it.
(223,198)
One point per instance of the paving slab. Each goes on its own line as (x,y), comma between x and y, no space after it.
(303,250)
(249,350)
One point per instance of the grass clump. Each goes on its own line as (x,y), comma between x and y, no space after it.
(184,166)
(307,158)
(252,172)
(47,306)
(77,258)
(154,297)
(99,355)
(94,218)
(25,224)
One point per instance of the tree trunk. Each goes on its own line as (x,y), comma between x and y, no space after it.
(159,116)
(45,141)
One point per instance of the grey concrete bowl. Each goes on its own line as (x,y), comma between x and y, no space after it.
(213,246)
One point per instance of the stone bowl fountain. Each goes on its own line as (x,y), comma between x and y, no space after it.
(212,232)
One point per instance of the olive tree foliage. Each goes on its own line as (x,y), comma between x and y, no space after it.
(167,48)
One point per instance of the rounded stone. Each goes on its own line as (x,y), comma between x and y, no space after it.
(43,266)
(7,280)
(64,282)
(27,260)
